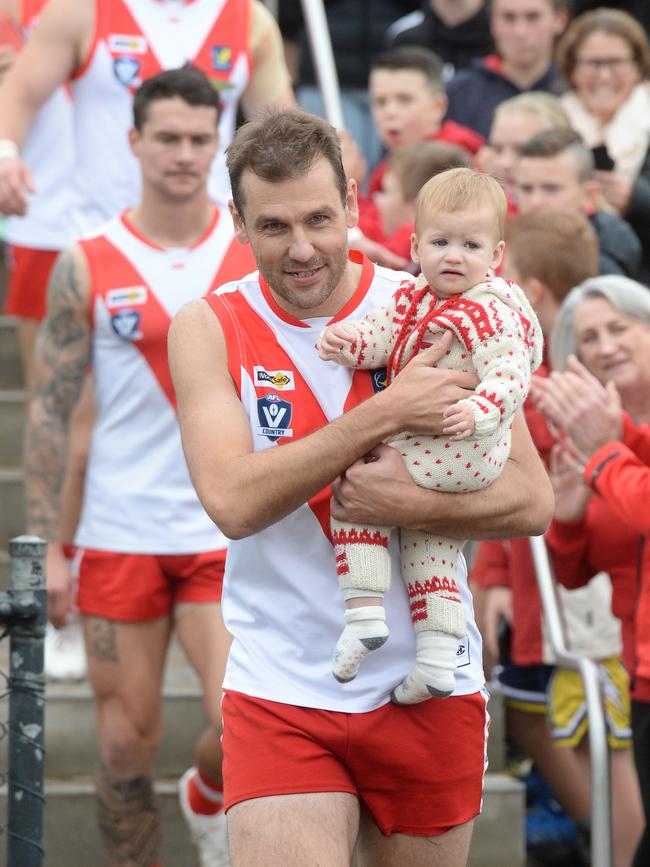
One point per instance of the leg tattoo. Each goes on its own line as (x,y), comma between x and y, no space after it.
(128,818)
(101,639)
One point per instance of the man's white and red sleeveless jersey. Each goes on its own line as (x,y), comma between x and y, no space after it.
(281,601)
(48,152)
(138,496)
(135,39)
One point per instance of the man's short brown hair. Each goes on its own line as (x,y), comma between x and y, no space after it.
(560,250)
(281,147)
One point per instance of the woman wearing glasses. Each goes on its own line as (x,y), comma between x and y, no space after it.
(605,58)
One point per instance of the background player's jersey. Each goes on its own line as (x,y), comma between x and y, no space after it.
(48,152)
(138,496)
(135,39)
(281,600)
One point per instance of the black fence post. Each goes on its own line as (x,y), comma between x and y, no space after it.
(26,703)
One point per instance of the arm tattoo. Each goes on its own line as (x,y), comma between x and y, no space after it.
(62,354)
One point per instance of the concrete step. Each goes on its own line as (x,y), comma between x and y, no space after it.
(499,836)
(71,742)
(70,828)
(12,425)
(12,505)
(11,375)
(497,737)
(72,840)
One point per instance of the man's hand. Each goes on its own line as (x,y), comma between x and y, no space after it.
(15,184)
(370,490)
(376,252)
(333,339)
(575,401)
(571,494)
(459,422)
(59,586)
(421,392)
(616,189)
(496,606)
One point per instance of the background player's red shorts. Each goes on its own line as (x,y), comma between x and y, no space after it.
(29,272)
(418,769)
(138,587)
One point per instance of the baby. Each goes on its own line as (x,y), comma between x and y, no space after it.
(459,227)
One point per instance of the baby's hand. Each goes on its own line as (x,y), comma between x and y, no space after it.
(458,421)
(333,339)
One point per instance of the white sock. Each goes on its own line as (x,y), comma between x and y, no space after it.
(365,630)
(433,674)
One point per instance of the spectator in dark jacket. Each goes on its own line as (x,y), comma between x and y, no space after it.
(524,33)
(457,30)
(555,170)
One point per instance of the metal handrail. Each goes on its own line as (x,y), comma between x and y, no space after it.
(601,823)
(323,57)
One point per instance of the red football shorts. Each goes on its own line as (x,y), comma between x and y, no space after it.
(418,769)
(29,273)
(139,587)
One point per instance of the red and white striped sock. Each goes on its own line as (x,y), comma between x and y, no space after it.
(205,797)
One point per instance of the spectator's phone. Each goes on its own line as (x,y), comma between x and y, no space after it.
(602,160)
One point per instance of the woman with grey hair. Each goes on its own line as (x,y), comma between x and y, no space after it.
(600,406)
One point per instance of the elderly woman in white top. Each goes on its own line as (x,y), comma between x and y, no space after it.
(605,58)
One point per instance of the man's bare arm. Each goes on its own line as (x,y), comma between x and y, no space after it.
(61,357)
(53,51)
(244,491)
(518,503)
(270,84)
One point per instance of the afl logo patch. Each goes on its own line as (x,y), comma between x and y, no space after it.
(274,416)
(126,324)
(126,70)
(378,379)
(283,380)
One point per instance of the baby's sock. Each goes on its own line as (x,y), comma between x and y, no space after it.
(365,630)
(434,671)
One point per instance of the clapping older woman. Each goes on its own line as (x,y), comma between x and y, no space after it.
(605,58)
(600,407)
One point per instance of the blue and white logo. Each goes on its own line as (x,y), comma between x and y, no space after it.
(274,416)
(127,69)
(378,379)
(125,324)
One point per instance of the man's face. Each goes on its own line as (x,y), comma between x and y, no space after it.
(404,107)
(175,147)
(524,31)
(510,130)
(298,232)
(551,183)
